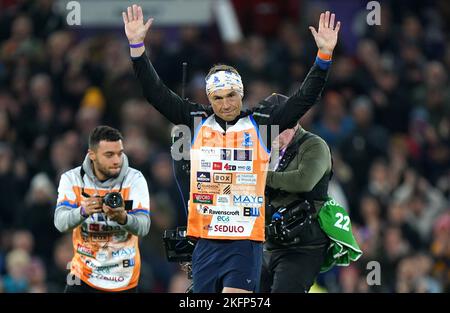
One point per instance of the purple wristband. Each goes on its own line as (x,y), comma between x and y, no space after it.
(138,45)
(83,212)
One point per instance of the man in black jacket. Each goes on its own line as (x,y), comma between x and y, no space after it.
(231,260)
(297,183)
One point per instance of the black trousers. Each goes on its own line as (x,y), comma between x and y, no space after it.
(85,288)
(294,268)
(291,270)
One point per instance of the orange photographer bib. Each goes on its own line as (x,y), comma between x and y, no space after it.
(228,177)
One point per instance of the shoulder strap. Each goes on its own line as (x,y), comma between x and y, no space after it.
(82,172)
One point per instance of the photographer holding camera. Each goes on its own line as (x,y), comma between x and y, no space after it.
(106,204)
(296,189)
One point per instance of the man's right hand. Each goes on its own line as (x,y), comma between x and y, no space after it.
(135,29)
(92,205)
(326,36)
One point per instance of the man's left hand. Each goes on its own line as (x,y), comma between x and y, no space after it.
(327,34)
(118,215)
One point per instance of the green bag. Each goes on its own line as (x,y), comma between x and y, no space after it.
(335,222)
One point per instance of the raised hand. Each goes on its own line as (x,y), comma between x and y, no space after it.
(135,29)
(327,34)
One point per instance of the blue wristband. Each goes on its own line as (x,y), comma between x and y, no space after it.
(138,45)
(324,65)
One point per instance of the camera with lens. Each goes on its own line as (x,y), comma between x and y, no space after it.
(178,246)
(113,200)
(288,221)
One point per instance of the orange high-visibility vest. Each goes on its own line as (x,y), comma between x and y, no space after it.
(228,177)
(106,255)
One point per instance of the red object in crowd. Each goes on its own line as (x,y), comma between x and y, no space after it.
(265,16)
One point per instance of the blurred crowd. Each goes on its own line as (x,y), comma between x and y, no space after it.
(385,113)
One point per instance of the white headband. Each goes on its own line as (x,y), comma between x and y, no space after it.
(224,80)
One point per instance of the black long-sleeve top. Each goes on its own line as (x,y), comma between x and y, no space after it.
(181,111)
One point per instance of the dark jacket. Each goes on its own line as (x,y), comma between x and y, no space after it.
(306,176)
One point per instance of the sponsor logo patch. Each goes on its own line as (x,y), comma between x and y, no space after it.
(243,155)
(244,168)
(223,219)
(203,177)
(85,251)
(116,279)
(227,190)
(229,229)
(205,165)
(128,263)
(123,252)
(209,188)
(202,209)
(246,179)
(230,167)
(94,227)
(251,211)
(223,178)
(217,166)
(203,198)
(223,200)
(101,256)
(97,237)
(218,210)
(225,154)
(208,151)
(247,142)
(248,200)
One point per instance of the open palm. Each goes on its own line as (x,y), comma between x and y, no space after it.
(135,29)
(327,34)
